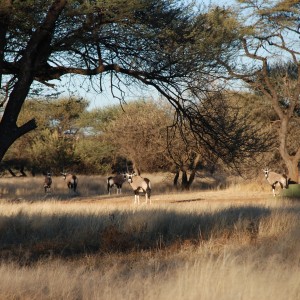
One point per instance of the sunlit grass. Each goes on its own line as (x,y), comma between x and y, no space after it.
(31,188)
(233,243)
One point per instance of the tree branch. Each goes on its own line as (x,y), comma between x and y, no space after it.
(26,127)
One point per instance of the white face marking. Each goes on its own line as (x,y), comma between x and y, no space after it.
(129,177)
(266,171)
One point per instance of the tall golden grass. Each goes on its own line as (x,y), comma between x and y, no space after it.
(233,243)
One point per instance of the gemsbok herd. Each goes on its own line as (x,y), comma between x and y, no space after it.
(142,185)
(138,184)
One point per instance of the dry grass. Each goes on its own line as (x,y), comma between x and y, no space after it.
(237,243)
(31,188)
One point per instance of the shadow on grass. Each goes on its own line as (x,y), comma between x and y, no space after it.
(187,201)
(26,238)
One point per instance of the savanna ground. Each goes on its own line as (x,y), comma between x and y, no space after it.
(233,241)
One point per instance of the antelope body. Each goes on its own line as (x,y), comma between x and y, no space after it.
(139,185)
(71,181)
(47,182)
(117,181)
(275,178)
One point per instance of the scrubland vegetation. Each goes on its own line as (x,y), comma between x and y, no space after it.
(210,239)
(236,242)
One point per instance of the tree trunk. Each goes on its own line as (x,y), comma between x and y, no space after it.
(4,21)
(22,171)
(191,179)
(35,54)
(10,133)
(184,181)
(12,173)
(187,182)
(175,180)
(292,166)
(291,161)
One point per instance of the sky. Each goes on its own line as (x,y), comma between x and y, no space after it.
(80,88)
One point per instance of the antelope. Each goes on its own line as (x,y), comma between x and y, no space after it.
(71,181)
(47,182)
(275,178)
(139,185)
(117,181)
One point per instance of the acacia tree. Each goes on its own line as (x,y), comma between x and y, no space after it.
(142,140)
(186,158)
(164,44)
(139,134)
(268,49)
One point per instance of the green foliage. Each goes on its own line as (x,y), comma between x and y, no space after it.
(221,27)
(52,146)
(51,151)
(166,44)
(98,119)
(60,114)
(95,156)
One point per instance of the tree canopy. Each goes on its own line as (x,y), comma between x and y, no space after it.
(165,44)
(266,60)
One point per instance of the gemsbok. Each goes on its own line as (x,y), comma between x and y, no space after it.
(47,182)
(71,180)
(117,181)
(139,185)
(275,178)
